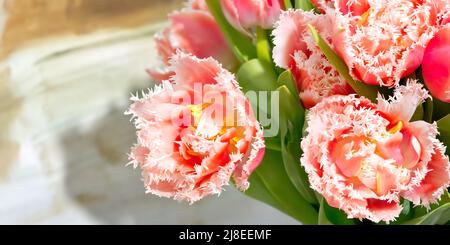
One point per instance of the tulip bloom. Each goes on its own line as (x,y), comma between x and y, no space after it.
(435,66)
(363,157)
(246,15)
(297,51)
(195,132)
(383,41)
(191,30)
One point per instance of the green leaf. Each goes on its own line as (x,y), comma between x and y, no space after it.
(291,122)
(329,215)
(441,109)
(257,75)
(305,124)
(273,143)
(362,89)
(271,174)
(323,220)
(418,114)
(263,46)
(444,131)
(440,216)
(241,45)
(428,110)
(304,4)
(259,192)
(287,4)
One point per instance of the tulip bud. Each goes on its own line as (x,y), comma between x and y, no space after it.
(436,68)
(245,15)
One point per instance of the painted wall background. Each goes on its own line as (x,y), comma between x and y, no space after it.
(67,68)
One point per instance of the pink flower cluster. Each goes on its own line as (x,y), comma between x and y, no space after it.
(196,129)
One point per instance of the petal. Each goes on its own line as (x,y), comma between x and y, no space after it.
(233,14)
(426,134)
(269,13)
(163,188)
(411,149)
(403,104)
(290,27)
(192,31)
(348,165)
(354,8)
(139,155)
(250,161)
(436,181)
(383,41)
(383,210)
(159,74)
(404,147)
(436,72)
(190,70)
(296,50)
(196,32)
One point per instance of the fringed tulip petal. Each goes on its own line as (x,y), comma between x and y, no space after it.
(192,30)
(383,41)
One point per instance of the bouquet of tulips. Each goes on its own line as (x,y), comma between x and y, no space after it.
(334,112)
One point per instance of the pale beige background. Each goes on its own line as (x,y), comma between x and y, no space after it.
(67,68)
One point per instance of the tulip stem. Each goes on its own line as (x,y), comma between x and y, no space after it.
(428,106)
(287,4)
(304,5)
(241,45)
(263,46)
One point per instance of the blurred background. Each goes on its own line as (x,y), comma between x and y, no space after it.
(67,68)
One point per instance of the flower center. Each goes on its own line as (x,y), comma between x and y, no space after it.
(402,146)
(222,130)
(359,159)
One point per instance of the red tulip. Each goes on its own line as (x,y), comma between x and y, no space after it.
(436,66)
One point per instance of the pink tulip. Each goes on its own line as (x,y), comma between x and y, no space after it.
(192,30)
(296,50)
(363,157)
(246,15)
(321,5)
(195,132)
(436,66)
(383,41)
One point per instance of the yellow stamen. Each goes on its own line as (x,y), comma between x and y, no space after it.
(364,18)
(396,128)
